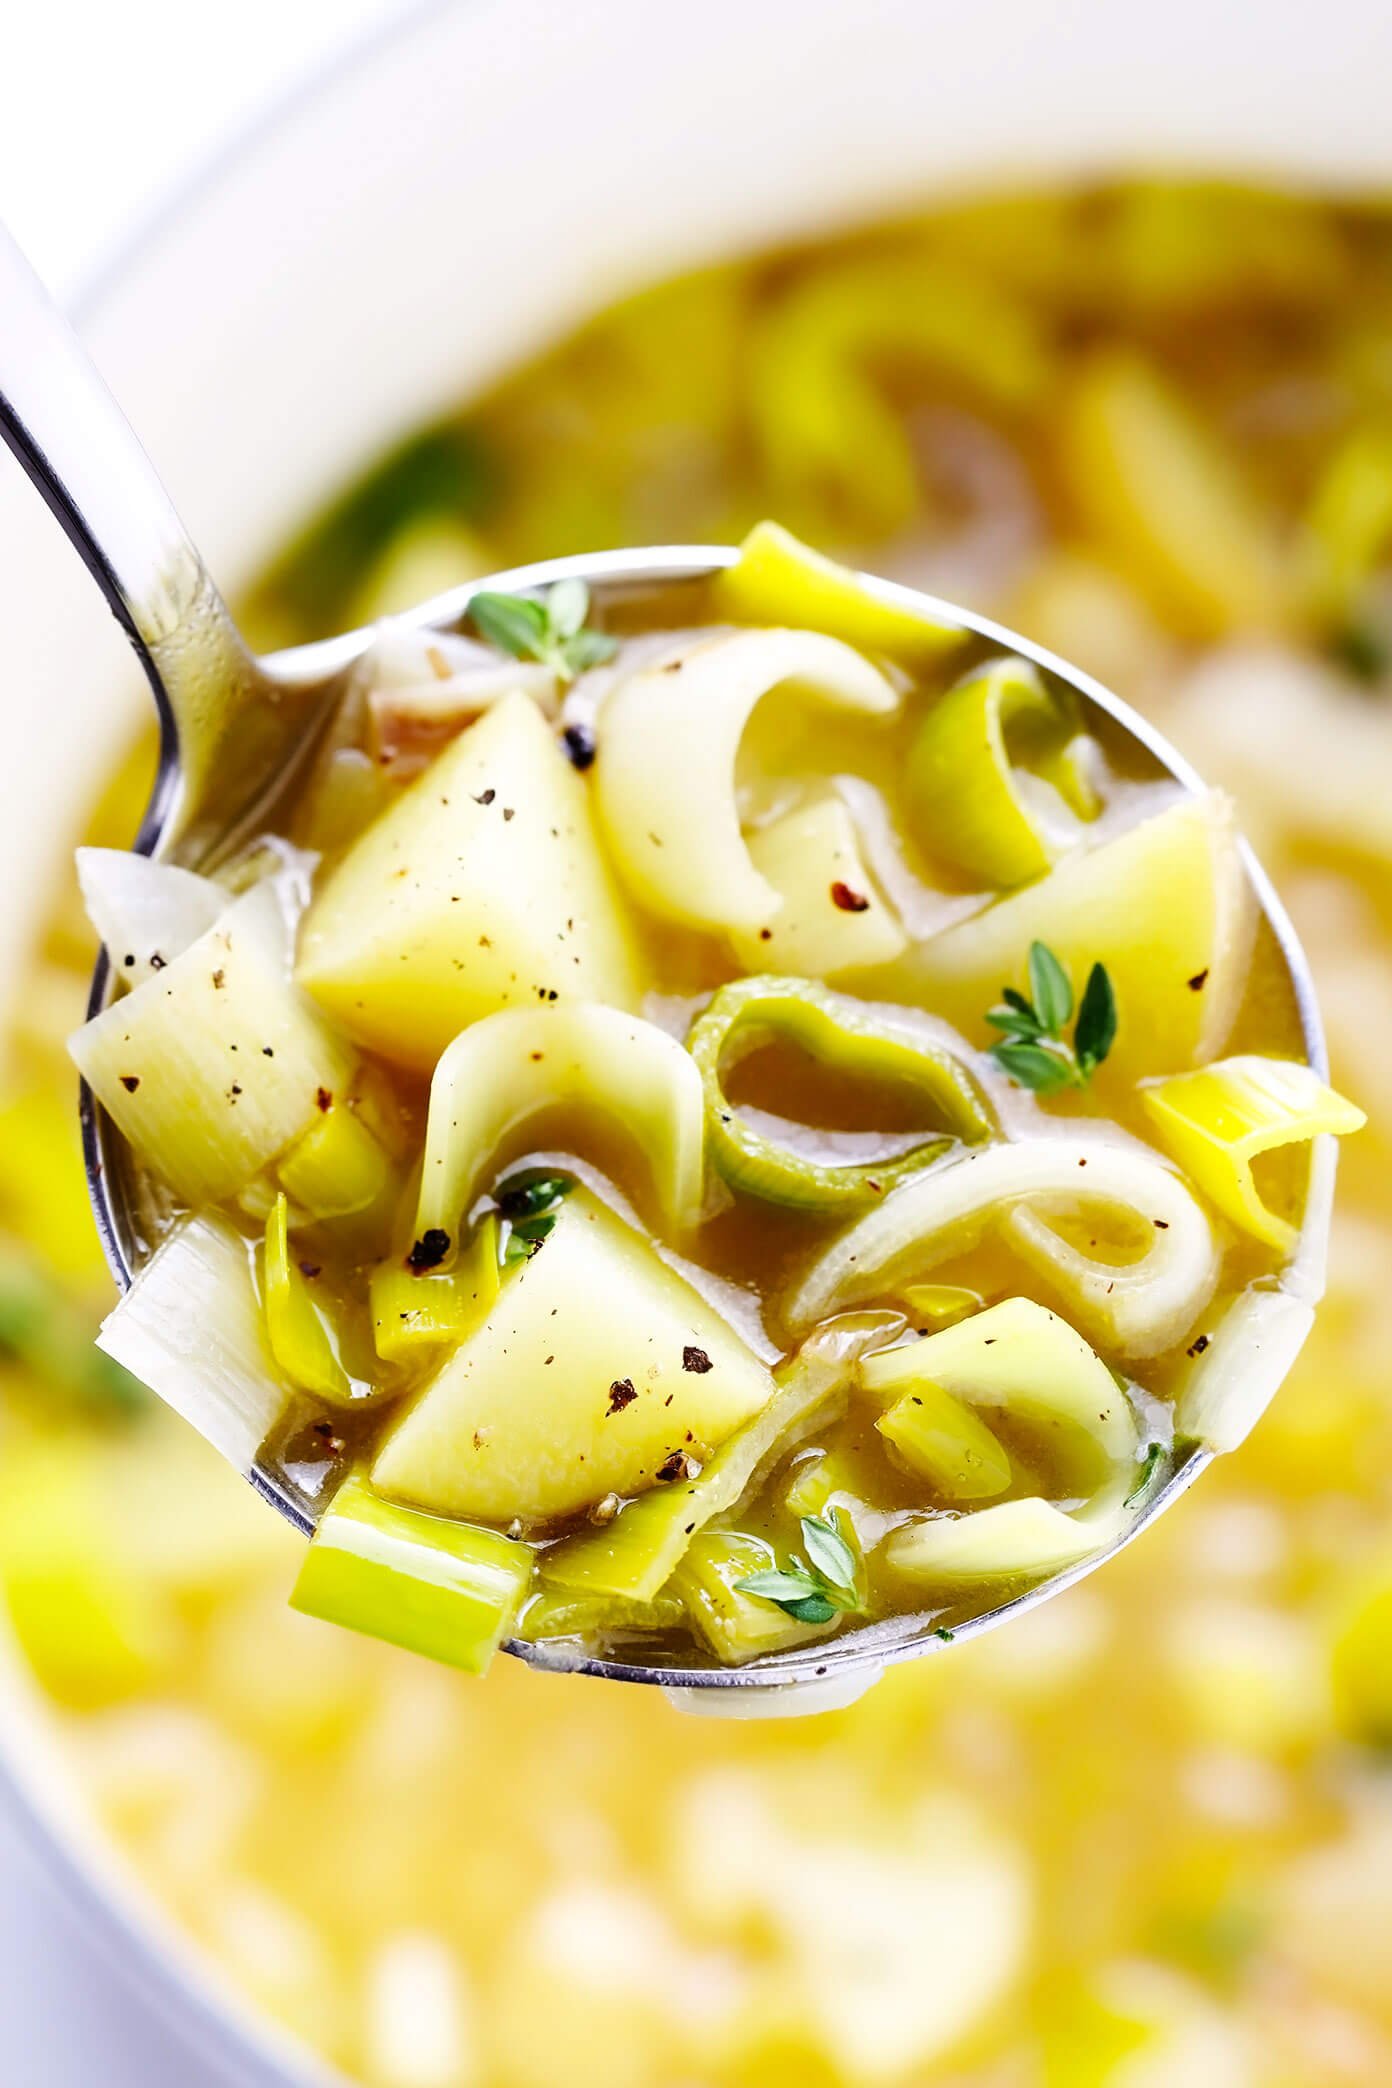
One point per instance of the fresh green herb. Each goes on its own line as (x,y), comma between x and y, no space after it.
(551,629)
(530,1210)
(814,1591)
(1151,1466)
(944,1634)
(1032,1048)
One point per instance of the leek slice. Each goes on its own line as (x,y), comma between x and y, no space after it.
(505,1069)
(1166,905)
(216,1064)
(841,1032)
(561,1615)
(964,778)
(737,1627)
(831,917)
(942,1303)
(636,1554)
(415,1309)
(439,1588)
(778,581)
(666,778)
(1216,1121)
(1233,1372)
(145,913)
(191,1328)
(944,1442)
(1019,1357)
(1163,498)
(1137,1308)
(299,1336)
(337,1169)
(1348,525)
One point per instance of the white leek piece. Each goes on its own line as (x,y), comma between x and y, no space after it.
(1136,1308)
(505,1069)
(1018,1358)
(146,913)
(666,779)
(191,1328)
(1218,1120)
(1233,1371)
(832,916)
(216,1063)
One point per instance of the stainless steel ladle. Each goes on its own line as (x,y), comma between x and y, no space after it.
(231,724)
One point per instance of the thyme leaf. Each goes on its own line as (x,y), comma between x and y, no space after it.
(549,628)
(1032,1047)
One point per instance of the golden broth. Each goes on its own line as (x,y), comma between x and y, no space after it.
(1146,1828)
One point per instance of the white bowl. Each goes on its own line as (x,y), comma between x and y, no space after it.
(451,199)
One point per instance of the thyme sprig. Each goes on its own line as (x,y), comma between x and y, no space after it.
(550,628)
(1032,1048)
(825,1585)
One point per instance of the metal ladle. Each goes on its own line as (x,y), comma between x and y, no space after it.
(231,724)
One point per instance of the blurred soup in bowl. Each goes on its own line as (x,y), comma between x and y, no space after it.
(1142,1838)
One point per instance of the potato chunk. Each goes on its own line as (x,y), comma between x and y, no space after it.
(597,1368)
(481,887)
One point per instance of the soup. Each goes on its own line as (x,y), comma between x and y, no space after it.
(582,907)
(1142,1835)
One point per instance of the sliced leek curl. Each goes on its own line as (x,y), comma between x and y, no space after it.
(1136,1309)
(1021,1359)
(976,767)
(415,1310)
(877,1043)
(666,783)
(509,1066)
(1217,1120)
(778,581)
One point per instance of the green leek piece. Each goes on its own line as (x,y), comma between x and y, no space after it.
(777,580)
(444,1589)
(216,1063)
(1019,1358)
(417,1309)
(940,1304)
(736,1626)
(843,1033)
(636,1555)
(833,917)
(599,1370)
(296,1326)
(665,780)
(481,887)
(559,1614)
(964,783)
(501,1071)
(1348,525)
(942,1440)
(337,1169)
(815,1479)
(1217,1120)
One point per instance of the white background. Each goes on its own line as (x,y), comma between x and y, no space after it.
(105,111)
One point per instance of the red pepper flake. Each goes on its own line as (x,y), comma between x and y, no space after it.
(1199,981)
(130,1082)
(849,901)
(1161,1224)
(621,1395)
(696,1359)
(485,797)
(1200,1345)
(429,1250)
(323,1100)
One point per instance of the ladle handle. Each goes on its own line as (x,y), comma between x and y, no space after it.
(80,452)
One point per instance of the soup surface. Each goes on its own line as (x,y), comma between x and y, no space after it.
(1142,1838)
